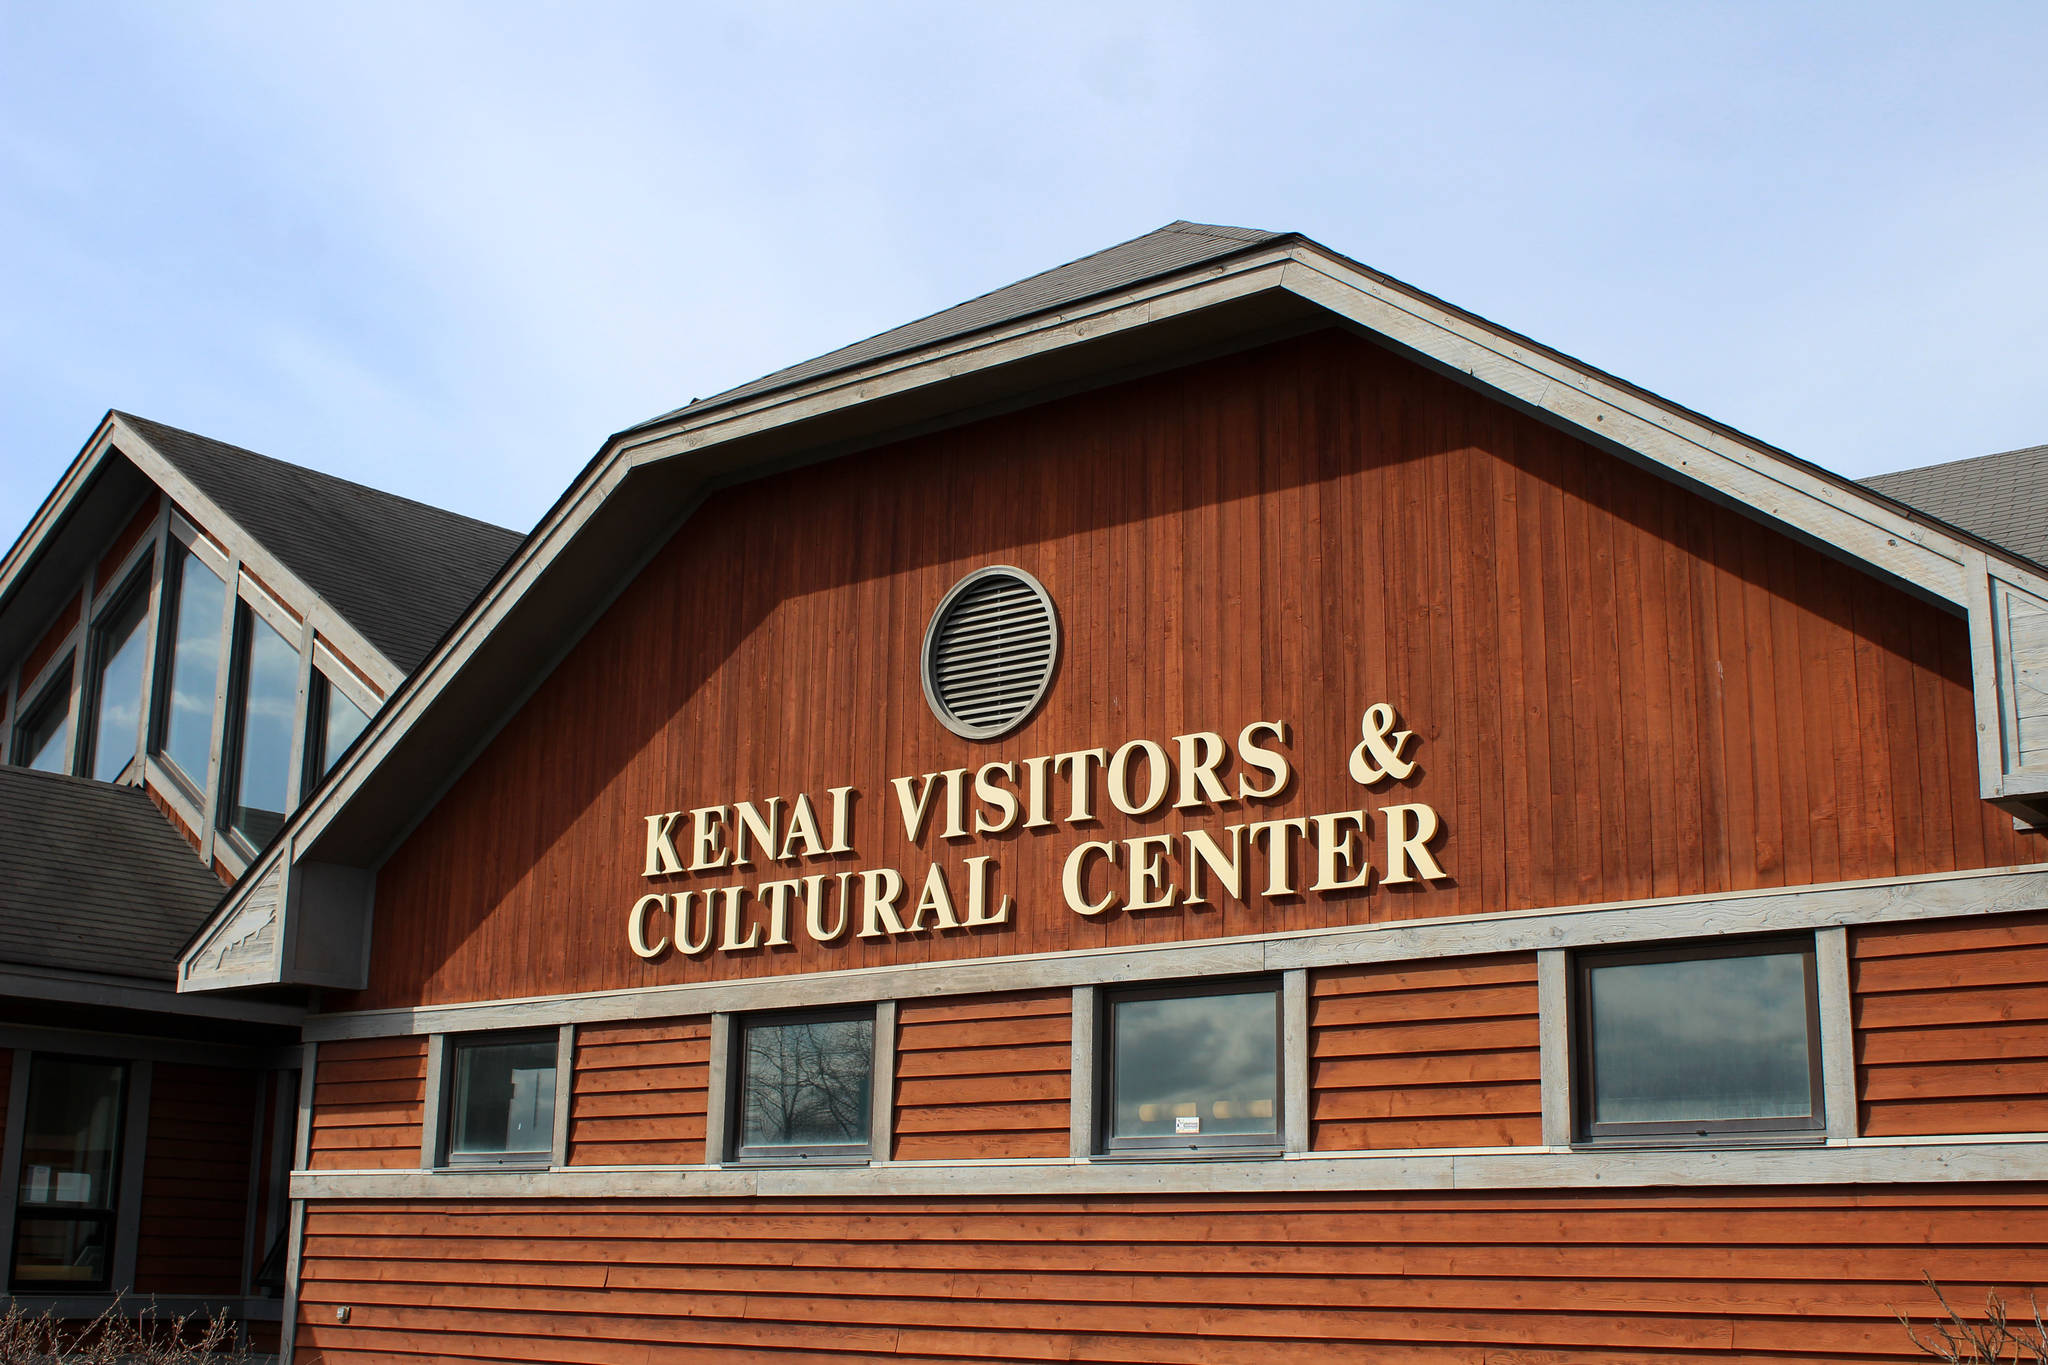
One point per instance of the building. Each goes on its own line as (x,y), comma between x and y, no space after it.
(1205,800)
(190,636)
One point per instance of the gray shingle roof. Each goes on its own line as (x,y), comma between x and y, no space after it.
(1173,247)
(93,878)
(399,571)
(2001,498)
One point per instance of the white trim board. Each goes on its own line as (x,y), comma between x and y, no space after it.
(1781,909)
(2021,1157)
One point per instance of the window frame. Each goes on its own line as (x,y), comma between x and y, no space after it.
(247,616)
(322,685)
(1810,1128)
(1104,1143)
(445,1157)
(185,543)
(92,692)
(53,695)
(737,1151)
(112,1217)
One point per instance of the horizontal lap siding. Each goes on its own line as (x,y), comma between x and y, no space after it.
(1522,1277)
(984,1077)
(1425,1055)
(195,1180)
(368,1104)
(638,1094)
(1952,1026)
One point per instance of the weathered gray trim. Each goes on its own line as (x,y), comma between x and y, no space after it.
(1837,1034)
(434,1114)
(718,1090)
(294,1250)
(1081,1104)
(1882,900)
(302,1142)
(882,1119)
(1554,1038)
(133,1046)
(134,1166)
(2016,1158)
(10,1148)
(116,992)
(223,686)
(565,1067)
(1294,1050)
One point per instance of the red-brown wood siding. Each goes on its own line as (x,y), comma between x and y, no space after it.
(191,835)
(368,1104)
(638,1093)
(1538,1278)
(33,663)
(131,534)
(1620,689)
(1952,1026)
(195,1180)
(1437,1054)
(984,1077)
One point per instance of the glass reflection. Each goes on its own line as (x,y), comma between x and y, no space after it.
(45,737)
(504,1099)
(809,1084)
(1196,1066)
(70,1152)
(187,737)
(344,720)
(1701,1039)
(269,693)
(118,694)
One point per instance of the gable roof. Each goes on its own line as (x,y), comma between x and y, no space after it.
(399,571)
(1174,247)
(2002,498)
(94,879)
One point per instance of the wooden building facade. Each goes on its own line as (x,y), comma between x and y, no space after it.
(1204,803)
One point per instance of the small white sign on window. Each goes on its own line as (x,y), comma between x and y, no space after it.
(1186,1123)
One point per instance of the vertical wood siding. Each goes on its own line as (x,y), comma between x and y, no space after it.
(1952,1026)
(1534,1278)
(368,1104)
(1439,1054)
(1620,689)
(637,1095)
(195,1181)
(984,1077)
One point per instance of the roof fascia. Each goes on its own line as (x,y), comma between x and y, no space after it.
(115,992)
(1859,523)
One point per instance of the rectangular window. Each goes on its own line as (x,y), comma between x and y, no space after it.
(332,725)
(265,702)
(501,1100)
(1696,1042)
(191,667)
(804,1086)
(117,648)
(42,739)
(1190,1067)
(70,1152)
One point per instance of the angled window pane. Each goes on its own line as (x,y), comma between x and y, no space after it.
(117,693)
(71,1149)
(1188,1069)
(43,738)
(807,1085)
(503,1101)
(193,672)
(341,721)
(268,688)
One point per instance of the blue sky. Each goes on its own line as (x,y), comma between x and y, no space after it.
(445,249)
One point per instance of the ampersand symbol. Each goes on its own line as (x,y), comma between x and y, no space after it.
(1378,755)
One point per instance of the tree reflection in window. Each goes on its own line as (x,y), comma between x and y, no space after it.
(807,1086)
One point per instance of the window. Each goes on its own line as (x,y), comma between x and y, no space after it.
(70,1152)
(501,1100)
(192,669)
(332,726)
(117,648)
(43,737)
(1694,1042)
(265,700)
(805,1087)
(1188,1067)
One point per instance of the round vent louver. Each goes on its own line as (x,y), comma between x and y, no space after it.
(989,652)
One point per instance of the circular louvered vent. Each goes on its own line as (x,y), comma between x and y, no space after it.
(989,652)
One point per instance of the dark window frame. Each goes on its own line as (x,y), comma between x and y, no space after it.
(53,695)
(109,1218)
(1810,1127)
(134,590)
(1105,1143)
(738,1151)
(447,1158)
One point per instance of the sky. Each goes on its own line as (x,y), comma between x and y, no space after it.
(446,249)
